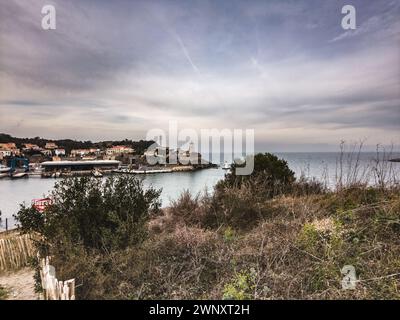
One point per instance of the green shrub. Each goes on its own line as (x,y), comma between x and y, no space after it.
(97,214)
(241,287)
(308,237)
(271,176)
(229,234)
(3,293)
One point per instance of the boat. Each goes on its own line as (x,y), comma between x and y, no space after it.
(19,175)
(226,166)
(35,174)
(97,174)
(4,175)
(4,169)
(56,174)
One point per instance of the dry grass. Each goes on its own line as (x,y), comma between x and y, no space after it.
(294,250)
(238,244)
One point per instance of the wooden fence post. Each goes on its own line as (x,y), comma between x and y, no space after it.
(53,288)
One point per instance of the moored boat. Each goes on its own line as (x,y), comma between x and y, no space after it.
(19,175)
(97,174)
(4,169)
(226,166)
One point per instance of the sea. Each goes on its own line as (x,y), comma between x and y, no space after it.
(323,166)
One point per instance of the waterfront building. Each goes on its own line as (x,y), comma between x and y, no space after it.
(70,166)
(165,155)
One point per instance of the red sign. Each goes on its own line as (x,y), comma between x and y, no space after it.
(41,204)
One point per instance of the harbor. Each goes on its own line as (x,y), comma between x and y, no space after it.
(13,192)
(98,169)
(50,160)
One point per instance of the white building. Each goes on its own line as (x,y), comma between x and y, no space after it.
(119,150)
(84,152)
(6,153)
(59,152)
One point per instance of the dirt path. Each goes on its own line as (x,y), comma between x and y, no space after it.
(19,284)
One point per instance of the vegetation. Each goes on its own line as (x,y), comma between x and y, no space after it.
(267,236)
(3,293)
(102,216)
(68,144)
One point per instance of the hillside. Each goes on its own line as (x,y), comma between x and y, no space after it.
(69,144)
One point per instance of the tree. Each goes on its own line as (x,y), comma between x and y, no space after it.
(271,175)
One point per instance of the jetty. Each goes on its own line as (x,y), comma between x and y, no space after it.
(143,171)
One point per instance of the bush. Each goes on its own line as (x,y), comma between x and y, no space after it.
(271,176)
(99,215)
(305,186)
(241,287)
(240,201)
(308,237)
(3,293)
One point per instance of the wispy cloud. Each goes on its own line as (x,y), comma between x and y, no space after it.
(285,68)
(186,53)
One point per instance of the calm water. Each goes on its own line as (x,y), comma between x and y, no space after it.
(320,165)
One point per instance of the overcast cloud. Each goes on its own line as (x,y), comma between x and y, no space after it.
(114,69)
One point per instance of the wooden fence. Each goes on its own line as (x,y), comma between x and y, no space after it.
(52,287)
(15,250)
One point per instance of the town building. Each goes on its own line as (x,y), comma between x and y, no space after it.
(47,152)
(158,155)
(115,150)
(31,146)
(8,145)
(5,153)
(84,152)
(50,145)
(59,152)
(9,149)
(165,155)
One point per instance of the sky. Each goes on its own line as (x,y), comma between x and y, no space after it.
(287,69)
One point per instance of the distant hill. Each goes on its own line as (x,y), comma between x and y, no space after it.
(69,144)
